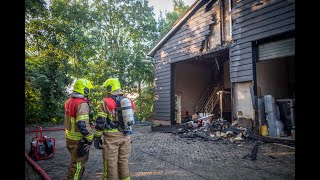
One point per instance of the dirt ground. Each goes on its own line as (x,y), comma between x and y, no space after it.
(165,156)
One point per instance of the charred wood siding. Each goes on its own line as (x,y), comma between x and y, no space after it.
(253,22)
(185,43)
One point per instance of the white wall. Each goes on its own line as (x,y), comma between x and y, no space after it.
(242,99)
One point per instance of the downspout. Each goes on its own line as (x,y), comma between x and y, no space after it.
(221,21)
(254,61)
(232,100)
(230,21)
(231,84)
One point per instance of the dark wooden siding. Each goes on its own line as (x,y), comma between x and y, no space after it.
(253,22)
(178,47)
(184,44)
(162,90)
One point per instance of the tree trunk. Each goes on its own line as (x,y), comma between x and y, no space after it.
(139,91)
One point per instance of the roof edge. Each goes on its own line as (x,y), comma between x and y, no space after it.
(177,25)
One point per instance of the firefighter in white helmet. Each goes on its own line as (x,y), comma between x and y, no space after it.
(114,120)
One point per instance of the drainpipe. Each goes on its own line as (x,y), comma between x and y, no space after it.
(230,21)
(221,20)
(254,61)
(231,83)
(232,101)
(37,167)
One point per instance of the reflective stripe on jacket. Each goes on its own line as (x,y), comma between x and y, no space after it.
(77,119)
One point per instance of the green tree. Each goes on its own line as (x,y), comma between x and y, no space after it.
(99,39)
(129,30)
(53,51)
(143,34)
(35,8)
(167,21)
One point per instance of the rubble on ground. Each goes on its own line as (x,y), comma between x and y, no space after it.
(218,129)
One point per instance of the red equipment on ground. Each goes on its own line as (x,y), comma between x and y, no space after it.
(42,147)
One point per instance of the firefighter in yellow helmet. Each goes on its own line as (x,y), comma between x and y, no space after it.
(114,121)
(78,130)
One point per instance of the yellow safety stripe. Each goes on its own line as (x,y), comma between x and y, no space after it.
(98,133)
(128,178)
(102,114)
(105,171)
(110,117)
(73,135)
(89,137)
(83,117)
(111,130)
(72,124)
(76,175)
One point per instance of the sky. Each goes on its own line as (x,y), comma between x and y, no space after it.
(162,5)
(165,5)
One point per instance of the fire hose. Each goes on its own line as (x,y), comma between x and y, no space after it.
(50,129)
(37,167)
(47,129)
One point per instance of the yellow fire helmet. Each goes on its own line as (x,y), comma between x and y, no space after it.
(82,86)
(111,85)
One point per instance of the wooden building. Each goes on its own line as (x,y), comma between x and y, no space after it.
(192,62)
(245,47)
(262,54)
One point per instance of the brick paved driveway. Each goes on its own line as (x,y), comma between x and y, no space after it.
(166,156)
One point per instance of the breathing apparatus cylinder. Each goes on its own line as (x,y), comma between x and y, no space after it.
(127,113)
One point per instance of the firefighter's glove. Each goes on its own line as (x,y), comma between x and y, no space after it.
(98,142)
(86,147)
(83,148)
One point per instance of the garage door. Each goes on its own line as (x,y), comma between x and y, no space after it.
(277,49)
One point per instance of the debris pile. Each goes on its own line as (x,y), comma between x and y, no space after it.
(207,129)
(218,129)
